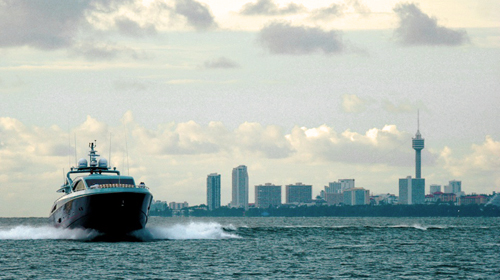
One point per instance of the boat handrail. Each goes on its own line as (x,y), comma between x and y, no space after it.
(115,185)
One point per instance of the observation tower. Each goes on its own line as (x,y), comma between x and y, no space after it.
(418,146)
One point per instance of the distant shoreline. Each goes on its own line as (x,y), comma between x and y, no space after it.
(418,210)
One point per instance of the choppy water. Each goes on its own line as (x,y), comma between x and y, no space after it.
(249,248)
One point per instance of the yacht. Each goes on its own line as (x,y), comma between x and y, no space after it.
(100,198)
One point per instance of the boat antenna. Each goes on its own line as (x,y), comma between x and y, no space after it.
(126,148)
(69,148)
(123,158)
(76,163)
(109,159)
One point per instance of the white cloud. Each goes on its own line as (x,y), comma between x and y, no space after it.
(376,146)
(351,103)
(476,168)
(174,158)
(484,158)
(270,141)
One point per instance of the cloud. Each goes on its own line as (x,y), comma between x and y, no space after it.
(359,7)
(483,158)
(327,13)
(248,140)
(179,139)
(220,63)
(283,38)
(176,156)
(191,138)
(376,146)
(252,140)
(131,28)
(268,141)
(417,28)
(269,8)
(351,103)
(45,25)
(73,25)
(337,10)
(197,14)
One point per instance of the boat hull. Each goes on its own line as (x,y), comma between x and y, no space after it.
(116,212)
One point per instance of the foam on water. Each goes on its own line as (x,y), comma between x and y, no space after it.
(415,226)
(193,230)
(27,232)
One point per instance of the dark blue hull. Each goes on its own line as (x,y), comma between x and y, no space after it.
(113,212)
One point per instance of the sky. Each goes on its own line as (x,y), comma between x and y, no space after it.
(298,91)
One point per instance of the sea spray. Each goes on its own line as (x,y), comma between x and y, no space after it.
(192,230)
(27,232)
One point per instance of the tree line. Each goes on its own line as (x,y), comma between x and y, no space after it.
(417,210)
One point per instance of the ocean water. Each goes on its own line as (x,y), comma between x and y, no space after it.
(257,248)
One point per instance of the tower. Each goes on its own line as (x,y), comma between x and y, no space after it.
(213,191)
(412,190)
(240,187)
(418,146)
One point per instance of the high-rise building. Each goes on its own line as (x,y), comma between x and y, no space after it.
(356,196)
(411,190)
(340,186)
(213,191)
(346,184)
(333,187)
(267,195)
(240,187)
(455,186)
(448,189)
(435,188)
(298,193)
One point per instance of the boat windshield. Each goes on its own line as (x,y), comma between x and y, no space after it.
(110,182)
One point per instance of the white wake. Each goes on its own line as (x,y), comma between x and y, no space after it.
(193,230)
(26,232)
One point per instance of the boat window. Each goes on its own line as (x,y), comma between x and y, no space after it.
(110,182)
(80,186)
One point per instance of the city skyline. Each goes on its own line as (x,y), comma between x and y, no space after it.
(298,91)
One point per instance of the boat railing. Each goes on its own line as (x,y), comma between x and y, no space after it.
(117,185)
